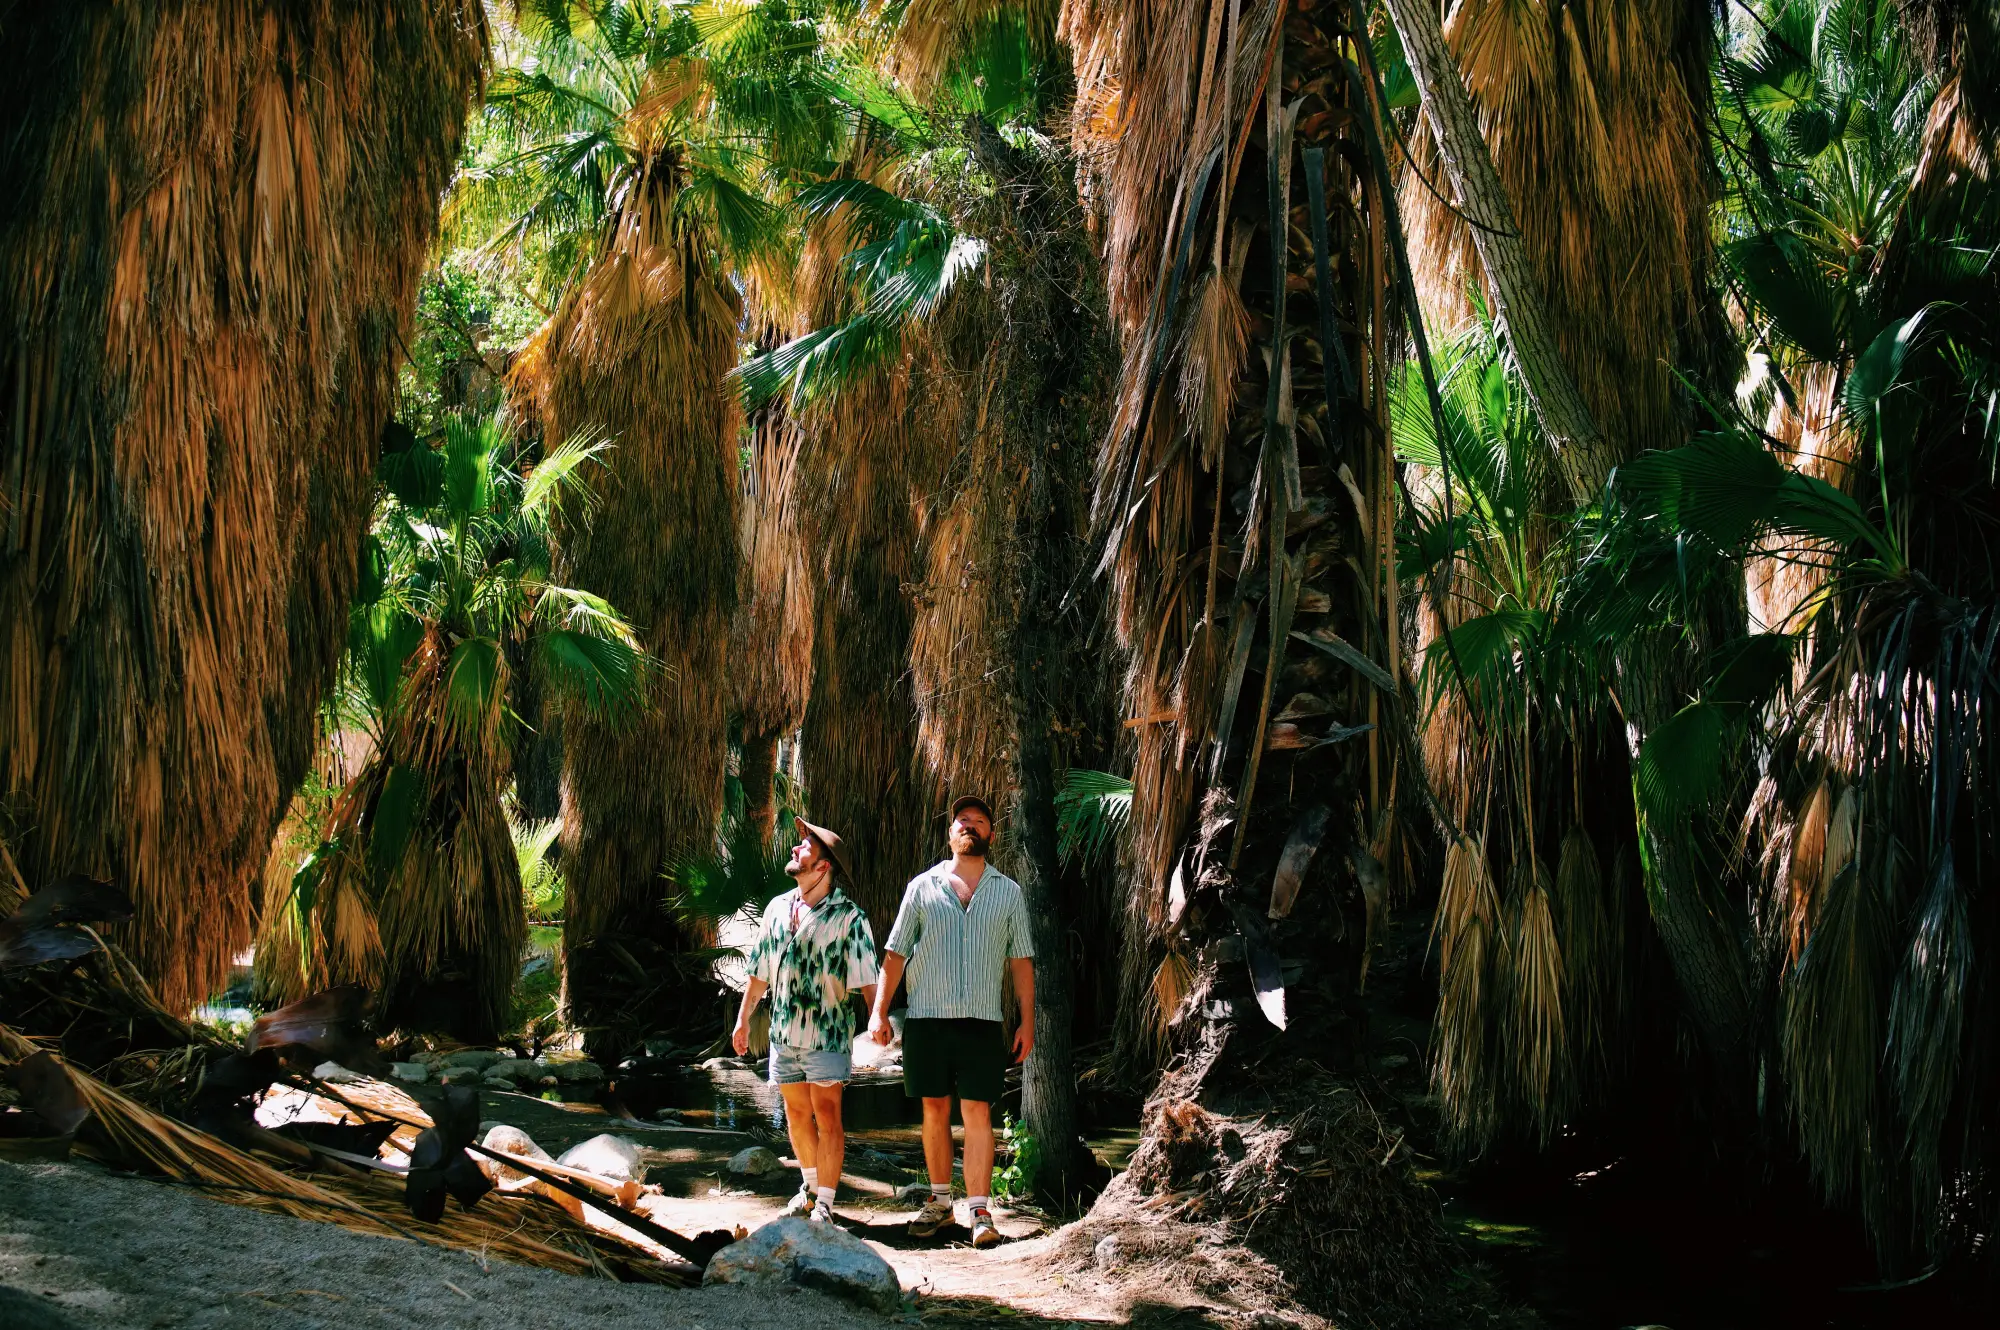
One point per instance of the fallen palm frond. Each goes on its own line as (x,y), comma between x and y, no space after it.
(124,1133)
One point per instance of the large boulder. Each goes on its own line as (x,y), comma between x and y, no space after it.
(607,1156)
(753,1162)
(511,1141)
(414,1072)
(479,1059)
(569,1073)
(519,1070)
(818,1256)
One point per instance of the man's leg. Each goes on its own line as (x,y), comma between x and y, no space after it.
(937,1144)
(831,1147)
(978,1120)
(799,1125)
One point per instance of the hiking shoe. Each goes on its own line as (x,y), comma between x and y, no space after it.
(801,1204)
(984,1231)
(934,1216)
(822,1213)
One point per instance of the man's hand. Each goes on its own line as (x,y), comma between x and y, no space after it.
(739,1038)
(879,1028)
(1024,1041)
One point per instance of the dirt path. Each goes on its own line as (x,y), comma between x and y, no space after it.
(105,1251)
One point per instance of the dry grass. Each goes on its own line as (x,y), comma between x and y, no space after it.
(222,211)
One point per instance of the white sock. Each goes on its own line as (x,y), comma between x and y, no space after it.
(941,1192)
(976,1203)
(811,1177)
(826,1196)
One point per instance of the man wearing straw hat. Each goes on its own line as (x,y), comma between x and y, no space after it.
(812,950)
(962,927)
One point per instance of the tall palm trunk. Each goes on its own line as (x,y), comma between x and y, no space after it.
(1246,480)
(1576,193)
(638,352)
(217,214)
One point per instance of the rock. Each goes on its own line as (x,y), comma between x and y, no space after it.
(817,1256)
(415,1072)
(607,1156)
(335,1074)
(914,1193)
(568,1072)
(667,1115)
(479,1059)
(511,1141)
(515,1069)
(459,1076)
(724,1064)
(753,1162)
(494,1082)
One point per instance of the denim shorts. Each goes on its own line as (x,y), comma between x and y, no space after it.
(790,1066)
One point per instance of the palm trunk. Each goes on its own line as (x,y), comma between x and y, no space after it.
(1583,452)
(759,774)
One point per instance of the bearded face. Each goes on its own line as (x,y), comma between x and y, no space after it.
(971,834)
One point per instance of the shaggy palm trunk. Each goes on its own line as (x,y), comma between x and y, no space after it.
(759,774)
(217,215)
(637,352)
(1594,117)
(1246,491)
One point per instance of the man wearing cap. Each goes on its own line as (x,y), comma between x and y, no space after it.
(813,949)
(962,926)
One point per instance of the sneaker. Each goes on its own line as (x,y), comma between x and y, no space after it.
(934,1216)
(822,1213)
(801,1204)
(984,1231)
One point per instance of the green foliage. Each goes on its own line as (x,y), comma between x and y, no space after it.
(542,883)
(1092,811)
(1015,1179)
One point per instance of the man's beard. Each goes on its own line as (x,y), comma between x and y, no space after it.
(793,868)
(975,846)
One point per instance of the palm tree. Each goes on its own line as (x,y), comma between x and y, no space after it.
(1244,481)
(613,166)
(219,216)
(415,890)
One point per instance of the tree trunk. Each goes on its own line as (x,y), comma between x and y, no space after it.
(760,792)
(1582,450)
(1048,1081)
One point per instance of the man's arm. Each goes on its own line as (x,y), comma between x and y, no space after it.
(879,1028)
(1024,992)
(753,993)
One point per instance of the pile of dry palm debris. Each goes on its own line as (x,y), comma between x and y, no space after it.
(91,1064)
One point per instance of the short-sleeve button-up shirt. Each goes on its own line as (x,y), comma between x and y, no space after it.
(812,957)
(958,954)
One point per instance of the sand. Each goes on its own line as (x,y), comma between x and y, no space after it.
(99,1250)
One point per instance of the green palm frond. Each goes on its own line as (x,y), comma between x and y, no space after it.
(1093,809)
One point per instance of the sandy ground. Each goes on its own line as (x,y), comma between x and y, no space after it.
(100,1250)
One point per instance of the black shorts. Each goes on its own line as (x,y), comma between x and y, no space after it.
(963,1058)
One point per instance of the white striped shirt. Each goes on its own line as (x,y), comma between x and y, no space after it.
(958,954)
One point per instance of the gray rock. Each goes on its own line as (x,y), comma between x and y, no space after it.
(914,1193)
(570,1072)
(667,1115)
(335,1074)
(724,1064)
(459,1076)
(511,1141)
(753,1162)
(516,1069)
(479,1059)
(410,1071)
(607,1156)
(817,1256)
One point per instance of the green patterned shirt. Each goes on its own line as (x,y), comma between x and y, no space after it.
(812,957)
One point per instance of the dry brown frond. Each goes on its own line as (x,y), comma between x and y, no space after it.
(1536,1035)
(1593,113)
(221,212)
(1467,931)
